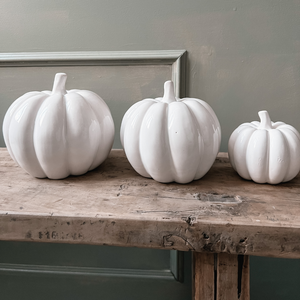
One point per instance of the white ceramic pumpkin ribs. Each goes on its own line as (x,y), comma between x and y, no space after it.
(58,133)
(265,151)
(171,139)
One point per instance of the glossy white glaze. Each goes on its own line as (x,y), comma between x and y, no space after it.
(171,139)
(58,133)
(265,151)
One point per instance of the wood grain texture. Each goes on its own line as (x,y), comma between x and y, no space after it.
(217,276)
(227,277)
(203,276)
(245,280)
(114,205)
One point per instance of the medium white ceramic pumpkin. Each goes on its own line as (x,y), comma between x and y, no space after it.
(58,133)
(171,139)
(265,151)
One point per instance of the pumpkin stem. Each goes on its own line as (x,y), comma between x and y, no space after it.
(59,85)
(169,95)
(265,121)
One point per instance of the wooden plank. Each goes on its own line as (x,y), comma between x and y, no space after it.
(245,280)
(114,205)
(220,276)
(203,276)
(227,277)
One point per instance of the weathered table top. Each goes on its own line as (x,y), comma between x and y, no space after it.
(113,205)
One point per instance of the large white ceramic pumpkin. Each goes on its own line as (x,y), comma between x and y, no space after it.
(58,133)
(265,151)
(171,139)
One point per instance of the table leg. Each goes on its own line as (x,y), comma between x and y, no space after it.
(220,277)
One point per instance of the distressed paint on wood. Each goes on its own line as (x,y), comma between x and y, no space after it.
(113,205)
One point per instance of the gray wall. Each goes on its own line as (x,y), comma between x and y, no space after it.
(243,56)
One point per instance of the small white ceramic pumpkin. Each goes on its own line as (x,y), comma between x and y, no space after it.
(171,139)
(58,133)
(265,151)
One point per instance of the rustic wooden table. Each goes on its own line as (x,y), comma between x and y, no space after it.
(221,218)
